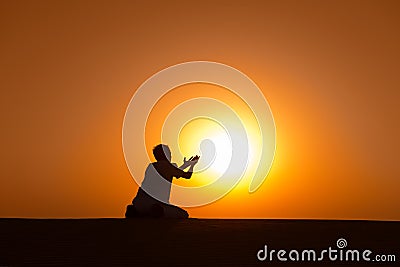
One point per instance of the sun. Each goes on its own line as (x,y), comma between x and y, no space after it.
(210,140)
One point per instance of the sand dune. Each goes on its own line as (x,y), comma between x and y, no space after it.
(193,242)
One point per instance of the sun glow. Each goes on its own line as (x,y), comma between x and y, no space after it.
(176,116)
(210,140)
(213,145)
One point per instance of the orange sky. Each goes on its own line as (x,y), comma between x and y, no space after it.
(329,70)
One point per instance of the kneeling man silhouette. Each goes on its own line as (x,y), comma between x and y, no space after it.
(152,198)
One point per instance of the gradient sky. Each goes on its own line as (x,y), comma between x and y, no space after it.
(329,70)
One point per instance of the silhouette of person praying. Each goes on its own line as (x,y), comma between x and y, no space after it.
(152,198)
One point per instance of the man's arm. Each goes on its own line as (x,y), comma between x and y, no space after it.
(179,172)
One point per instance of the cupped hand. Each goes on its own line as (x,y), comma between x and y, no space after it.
(187,162)
(194,160)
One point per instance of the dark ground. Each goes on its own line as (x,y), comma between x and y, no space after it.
(192,242)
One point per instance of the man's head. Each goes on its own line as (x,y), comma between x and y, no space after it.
(162,152)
